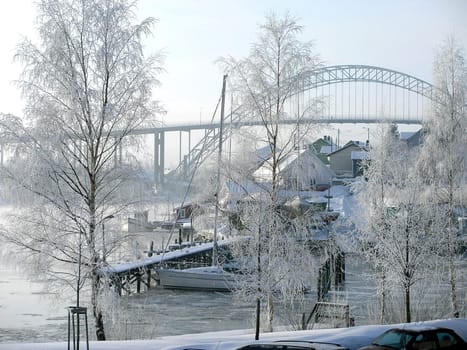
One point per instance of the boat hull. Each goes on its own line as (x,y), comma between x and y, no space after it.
(208,279)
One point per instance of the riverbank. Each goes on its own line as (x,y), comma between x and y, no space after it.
(352,338)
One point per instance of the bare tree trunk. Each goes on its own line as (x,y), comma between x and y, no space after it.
(258,299)
(383,273)
(407,304)
(258,317)
(96,310)
(451,249)
(382,299)
(270,312)
(407,273)
(95,279)
(452,283)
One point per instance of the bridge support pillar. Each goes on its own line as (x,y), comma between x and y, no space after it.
(159,160)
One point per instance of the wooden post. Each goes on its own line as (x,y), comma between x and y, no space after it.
(148,271)
(138,282)
(119,286)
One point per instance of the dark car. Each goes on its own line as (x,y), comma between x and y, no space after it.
(418,338)
(291,345)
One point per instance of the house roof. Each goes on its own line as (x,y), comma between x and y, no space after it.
(328,149)
(308,156)
(359,144)
(263,153)
(320,143)
(404,135)
(360,155)
(416,139)
(246,187)
(324,146)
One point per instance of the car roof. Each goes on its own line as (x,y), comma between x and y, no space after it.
(418,328)
(314,345)
(297,343)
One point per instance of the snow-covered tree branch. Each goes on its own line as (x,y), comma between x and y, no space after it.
(266,85)
(87,86)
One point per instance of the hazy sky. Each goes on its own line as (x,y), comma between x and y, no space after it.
(397,34)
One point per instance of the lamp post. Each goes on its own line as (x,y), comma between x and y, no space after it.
(108,217)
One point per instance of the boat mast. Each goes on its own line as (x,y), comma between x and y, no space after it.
(218,180)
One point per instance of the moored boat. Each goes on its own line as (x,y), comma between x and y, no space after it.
(211,278)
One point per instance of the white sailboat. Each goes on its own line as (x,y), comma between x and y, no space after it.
(210,277)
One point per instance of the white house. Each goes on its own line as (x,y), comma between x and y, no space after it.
(299,170)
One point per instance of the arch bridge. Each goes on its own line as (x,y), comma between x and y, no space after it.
(349,94)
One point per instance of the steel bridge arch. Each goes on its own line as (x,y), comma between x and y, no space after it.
(311,80)
(364,73)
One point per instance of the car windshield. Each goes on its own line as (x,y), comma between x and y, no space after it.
(395,339)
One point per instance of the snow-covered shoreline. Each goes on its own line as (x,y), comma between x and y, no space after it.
(352,338)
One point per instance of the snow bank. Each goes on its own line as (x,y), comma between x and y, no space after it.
(352,338)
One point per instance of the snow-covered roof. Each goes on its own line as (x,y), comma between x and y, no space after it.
(308,158)
(360,155)
(404,135)
(328,149)
(263,153)
(246,187)
(359,144)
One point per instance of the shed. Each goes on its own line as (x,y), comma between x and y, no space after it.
(340,161)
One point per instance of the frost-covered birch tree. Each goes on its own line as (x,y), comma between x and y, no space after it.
(87,86)
(396,232)
(442,161)
(408,249)
(274,260)
(264,84)
(381,172)
(399,234)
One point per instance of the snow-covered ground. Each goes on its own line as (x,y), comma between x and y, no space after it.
(353,338)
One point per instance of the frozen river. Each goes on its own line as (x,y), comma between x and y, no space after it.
(29,315)
(26,313)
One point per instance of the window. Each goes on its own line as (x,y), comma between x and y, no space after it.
(393,339)
(425,341)
(181,213)
(446,340)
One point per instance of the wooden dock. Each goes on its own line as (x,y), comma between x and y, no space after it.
(141,275)
(133,276)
